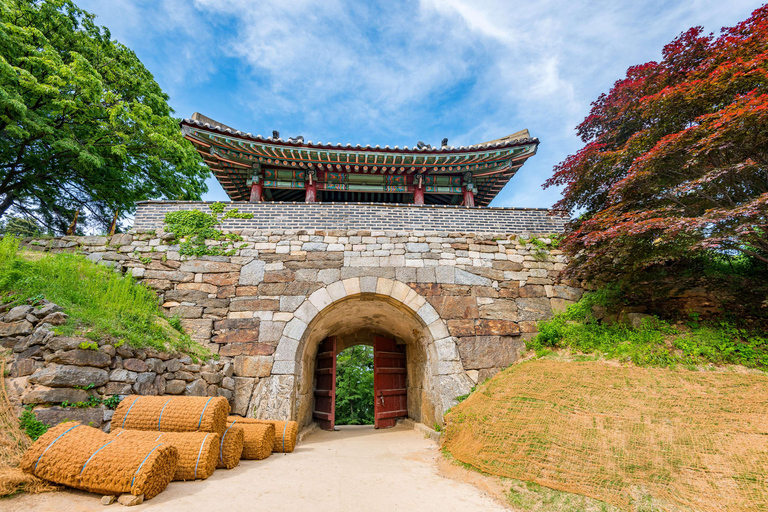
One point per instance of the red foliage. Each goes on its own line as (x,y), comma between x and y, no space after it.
(675,157)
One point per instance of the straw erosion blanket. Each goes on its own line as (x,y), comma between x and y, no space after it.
(692,439)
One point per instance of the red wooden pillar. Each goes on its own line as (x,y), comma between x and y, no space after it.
(418,195)
(469,196)
(257,190)
(310,195)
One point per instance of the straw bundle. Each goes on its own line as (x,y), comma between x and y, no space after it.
(198,451)
(286,432)
(86,458)
(172,414)
(231,447)
(259,438)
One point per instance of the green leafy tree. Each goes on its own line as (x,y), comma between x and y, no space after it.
(84,127)
(354,386)
(20,226)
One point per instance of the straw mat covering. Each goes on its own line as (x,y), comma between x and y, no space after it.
(682,440)
(86,458)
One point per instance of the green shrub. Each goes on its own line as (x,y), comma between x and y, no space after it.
(31,425)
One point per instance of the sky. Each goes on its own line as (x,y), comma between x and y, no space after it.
(396,72)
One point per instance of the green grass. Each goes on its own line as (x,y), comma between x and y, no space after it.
(655,343)
(31,425)
(100,302)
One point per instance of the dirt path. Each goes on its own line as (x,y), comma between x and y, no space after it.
(353,469)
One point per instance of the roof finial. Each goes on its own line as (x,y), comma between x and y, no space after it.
(423,145)
(275,134)
(444,143)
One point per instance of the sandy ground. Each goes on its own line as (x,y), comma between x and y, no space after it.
(353,469)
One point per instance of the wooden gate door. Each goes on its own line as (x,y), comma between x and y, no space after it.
(325,384)
(389,386)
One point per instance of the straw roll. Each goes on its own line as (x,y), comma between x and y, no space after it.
(231,447)
(172,414)
(258,440)
(86,458)
(286,432)
(198,451)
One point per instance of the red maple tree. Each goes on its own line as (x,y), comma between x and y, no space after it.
(675,160)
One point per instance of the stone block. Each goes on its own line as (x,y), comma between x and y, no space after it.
(22,368)
(532,291)
(246,349)
(60,375)
(286,349)
(284,368)
(295,329)
(21,328)
(145,384)
(499,309)
(18,313)
(46,395)
(204,266)
(467,278)
(92,416)
(534,309)
(270,332)
(135,365)
(253,366)
(449,307)
(229,278)
(479,352)
(320,299)
(198,328)
(175,387)
(560,305)
(273,398)
(80,357)
(486,327)
(254,305)
(197,387)
(243,391)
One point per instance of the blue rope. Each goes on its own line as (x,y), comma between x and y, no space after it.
(221,448)
(201,414)
(284,428)
(142,463)
(49,446)
(200,452)
(161,414)
(94,454)
(129,411)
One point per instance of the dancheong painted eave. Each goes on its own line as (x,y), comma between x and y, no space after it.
(287,170)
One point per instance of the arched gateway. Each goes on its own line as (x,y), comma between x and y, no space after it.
(387,314)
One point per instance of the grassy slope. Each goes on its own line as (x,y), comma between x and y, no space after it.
(99,301)
(656,342)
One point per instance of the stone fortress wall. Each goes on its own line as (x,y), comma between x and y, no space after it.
(462,300)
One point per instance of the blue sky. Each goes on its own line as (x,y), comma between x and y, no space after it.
(397,72)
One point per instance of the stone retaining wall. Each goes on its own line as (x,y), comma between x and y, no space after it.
(463,303)
(50,371)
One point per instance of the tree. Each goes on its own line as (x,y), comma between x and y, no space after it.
(354,386)
(84,127)
(675,161)
(20,226)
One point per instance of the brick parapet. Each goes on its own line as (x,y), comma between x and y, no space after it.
(366,216)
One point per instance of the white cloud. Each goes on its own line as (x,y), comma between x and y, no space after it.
(395,72)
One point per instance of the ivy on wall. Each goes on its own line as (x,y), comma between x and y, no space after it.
(193,228)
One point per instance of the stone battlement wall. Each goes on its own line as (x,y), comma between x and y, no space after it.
(464,303)
(363,216)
